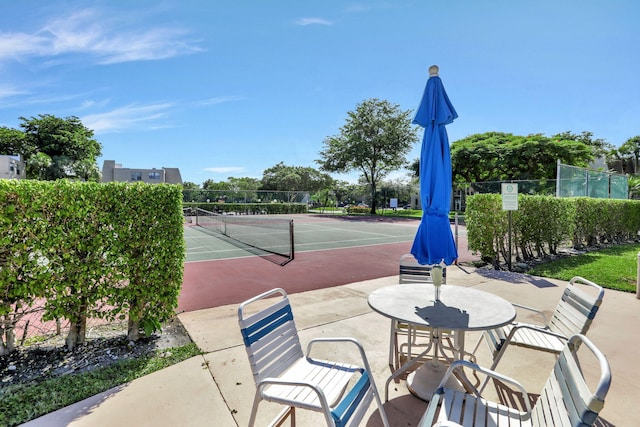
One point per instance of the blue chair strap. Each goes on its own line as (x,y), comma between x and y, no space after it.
(254,332)
(345,409)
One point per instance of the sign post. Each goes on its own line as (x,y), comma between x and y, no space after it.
(509,203)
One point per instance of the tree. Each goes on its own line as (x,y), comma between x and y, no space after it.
(37,165)
(243,184)
(400,189)
(630,151)
(11,141)
(210,184)
(634,187)
(191,191)
(70,146)
(599,146)
(496,156)
(294,178)
(231,190)
(374,140)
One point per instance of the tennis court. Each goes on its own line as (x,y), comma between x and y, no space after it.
(329,251)
(312,233)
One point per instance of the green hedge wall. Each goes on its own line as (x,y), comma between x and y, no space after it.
(89,250)
(543,223)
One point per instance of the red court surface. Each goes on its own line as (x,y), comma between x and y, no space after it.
(215,283)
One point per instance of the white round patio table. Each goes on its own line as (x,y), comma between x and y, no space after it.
(459,309)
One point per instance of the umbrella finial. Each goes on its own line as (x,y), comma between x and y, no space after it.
(433,70)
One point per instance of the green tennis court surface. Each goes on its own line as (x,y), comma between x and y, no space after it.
(311,233)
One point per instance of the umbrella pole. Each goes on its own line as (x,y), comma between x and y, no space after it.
(456,236)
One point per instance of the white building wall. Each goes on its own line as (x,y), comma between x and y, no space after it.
(11,167)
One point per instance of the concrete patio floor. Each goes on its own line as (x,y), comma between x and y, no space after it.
(216,389)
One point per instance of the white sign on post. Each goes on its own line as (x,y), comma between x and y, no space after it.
(510,197)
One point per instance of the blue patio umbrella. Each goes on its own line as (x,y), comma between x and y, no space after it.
(434,242)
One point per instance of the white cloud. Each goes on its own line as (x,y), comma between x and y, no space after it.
(128,117)
(8,91)
(313,21)
(93,104)
(220,100)
(225,169)
(357,8)
(88,32)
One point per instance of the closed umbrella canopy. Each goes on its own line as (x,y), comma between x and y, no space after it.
(434,242)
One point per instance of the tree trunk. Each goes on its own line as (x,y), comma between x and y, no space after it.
(135,315)
(7,337)
(77,330)
(77,333)
(373,198)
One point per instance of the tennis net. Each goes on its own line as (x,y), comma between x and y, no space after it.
(265,234)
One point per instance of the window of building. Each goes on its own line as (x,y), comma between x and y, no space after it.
(154,175)
(136,176)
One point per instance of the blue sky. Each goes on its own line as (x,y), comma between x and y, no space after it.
(230,88)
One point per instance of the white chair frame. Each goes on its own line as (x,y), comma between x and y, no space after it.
(284,375)
(574,314)
(566,399)
(408,341)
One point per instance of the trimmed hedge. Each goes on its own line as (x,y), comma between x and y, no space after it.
(359,210)
(543,223)
(89,250)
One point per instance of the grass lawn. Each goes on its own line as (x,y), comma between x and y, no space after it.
(612,268)
(24,402)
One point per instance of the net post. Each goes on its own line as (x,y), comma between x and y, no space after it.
(291,239)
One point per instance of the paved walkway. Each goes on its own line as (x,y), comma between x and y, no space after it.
(216,389)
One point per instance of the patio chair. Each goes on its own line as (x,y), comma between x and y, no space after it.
(284,375)
(566,399)
(408,341)
(573,315)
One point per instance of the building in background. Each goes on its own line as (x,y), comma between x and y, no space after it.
(112,171)
(12,167)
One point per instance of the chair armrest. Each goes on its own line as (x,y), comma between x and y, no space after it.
(535,310)
(489,373)
(347,340)
(276,381)
(429,415)
(335,340)
(536,328)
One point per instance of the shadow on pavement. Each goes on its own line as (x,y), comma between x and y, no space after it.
(512,277)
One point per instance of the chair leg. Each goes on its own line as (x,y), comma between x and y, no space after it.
(496,358)
(257,398)
(393,346)
(288,412)
(383,414)
(475,348)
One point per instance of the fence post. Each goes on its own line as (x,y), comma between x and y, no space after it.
(638,279)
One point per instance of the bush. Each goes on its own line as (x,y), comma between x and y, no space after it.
(543,223)
(359,210)
(90,250)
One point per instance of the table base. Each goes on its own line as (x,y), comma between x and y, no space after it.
(425,380)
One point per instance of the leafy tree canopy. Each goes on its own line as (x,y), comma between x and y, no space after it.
(497,156)
(294,178)
(629,152)
(600,147)
(11,141)
(54,147)
(188,185)
(374,140)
